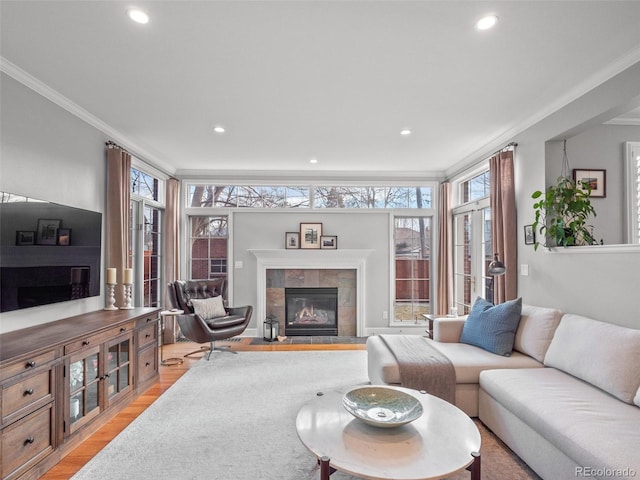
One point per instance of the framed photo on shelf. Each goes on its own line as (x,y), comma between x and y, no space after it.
(329,242)
(310,234)
(595,178)
(64,236)
(529,235)
(292,240)
(25,237)
(47,232)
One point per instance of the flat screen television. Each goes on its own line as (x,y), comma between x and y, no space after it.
(49,252)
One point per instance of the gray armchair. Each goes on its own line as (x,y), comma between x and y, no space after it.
(233,322)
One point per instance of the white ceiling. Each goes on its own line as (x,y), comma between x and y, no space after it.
(332,80)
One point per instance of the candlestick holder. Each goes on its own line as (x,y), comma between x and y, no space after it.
(111,297)
(127,287)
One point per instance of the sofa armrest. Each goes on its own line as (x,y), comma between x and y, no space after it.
(448,330)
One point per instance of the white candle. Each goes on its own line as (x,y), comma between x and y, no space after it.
(128,276)
(111,276)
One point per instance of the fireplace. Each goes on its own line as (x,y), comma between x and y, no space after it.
(311,311)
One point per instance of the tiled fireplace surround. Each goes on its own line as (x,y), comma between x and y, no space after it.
(344,279)
(343,268)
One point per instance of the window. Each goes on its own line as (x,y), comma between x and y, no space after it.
(239,196)
(258,196)
(209,241)
(412,239)
(472,251)
(372,197)
(145,237)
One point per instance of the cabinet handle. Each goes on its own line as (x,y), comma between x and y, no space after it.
(106,375)
(28,392)
(147,335)
(30,364)
(123,330)
(149,320)
(147,364)
(85,343)
(29,440)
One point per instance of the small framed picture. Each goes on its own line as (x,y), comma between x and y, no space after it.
(64,236)
(529,235)
(25,237)
(310,234)
(47,232)
(329,242)
(595,179)
(292,240)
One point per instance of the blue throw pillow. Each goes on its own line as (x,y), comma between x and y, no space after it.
(492,327)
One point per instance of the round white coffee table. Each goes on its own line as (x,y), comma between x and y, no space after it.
(443,441)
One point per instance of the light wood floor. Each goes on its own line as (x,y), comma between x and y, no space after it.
(78,457)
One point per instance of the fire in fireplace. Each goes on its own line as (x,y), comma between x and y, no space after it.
(311,311)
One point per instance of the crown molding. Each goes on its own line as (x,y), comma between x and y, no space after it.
(63,102)
(616,67)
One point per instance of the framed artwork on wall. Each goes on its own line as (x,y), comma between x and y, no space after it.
(64,236)
(595,178)
(25,237)
(292,240)
(529,235)
(310,234)
(329,242)
(47,232)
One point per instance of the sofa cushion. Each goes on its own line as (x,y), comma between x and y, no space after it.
(591,427)
(535,330)
(492,327)
(208,308)
(603,354)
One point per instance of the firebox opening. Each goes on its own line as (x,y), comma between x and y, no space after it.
(311,311)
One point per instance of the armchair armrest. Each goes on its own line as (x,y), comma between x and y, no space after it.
(448,330)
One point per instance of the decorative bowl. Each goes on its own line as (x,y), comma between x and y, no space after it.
(382,406)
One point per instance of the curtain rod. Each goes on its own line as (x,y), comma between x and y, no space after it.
(111,144)
(508,146)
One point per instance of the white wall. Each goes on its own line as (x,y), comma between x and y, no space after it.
(266,230)
(599,147)
(598,282)
(49,154)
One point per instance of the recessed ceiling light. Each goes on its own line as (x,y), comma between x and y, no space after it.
(313,160)
(486,22)
(219,129)
(405,132)
(138,15)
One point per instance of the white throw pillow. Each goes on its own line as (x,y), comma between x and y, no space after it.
(603,354)
(536,329)
(207,308)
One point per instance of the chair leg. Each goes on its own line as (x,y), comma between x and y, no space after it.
(224,348)
(200,350)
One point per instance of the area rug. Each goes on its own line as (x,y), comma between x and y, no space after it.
(233,418)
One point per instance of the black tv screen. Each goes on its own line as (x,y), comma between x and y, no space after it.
(48,252)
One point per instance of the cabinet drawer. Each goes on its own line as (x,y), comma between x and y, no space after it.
(29,391)
(147,335)
(27,364)
(146,320)
(147,364)
(97,339)
(26,442)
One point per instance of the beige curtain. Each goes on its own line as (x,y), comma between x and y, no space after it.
(503,224)
(444,293)
(118,208)
(171,234)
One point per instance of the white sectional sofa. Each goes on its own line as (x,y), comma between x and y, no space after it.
(567,399)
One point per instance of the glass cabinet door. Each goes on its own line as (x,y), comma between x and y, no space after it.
(84,385)
(119,368)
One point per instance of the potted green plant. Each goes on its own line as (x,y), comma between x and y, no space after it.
(562,213)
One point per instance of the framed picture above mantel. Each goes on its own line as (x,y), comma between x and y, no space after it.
(310,234)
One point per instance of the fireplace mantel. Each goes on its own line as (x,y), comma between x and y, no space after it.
(311,259)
